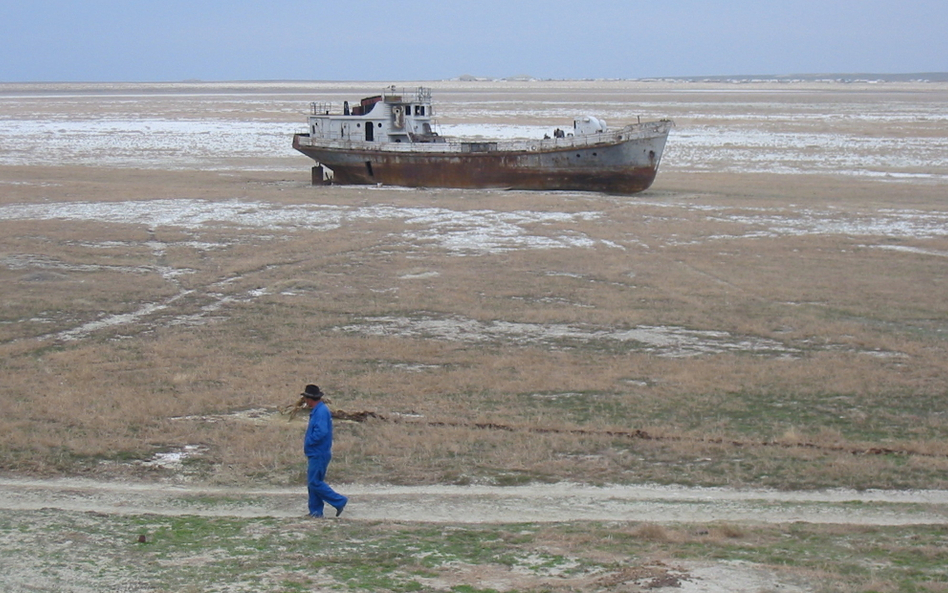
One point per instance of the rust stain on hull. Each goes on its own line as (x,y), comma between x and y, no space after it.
(389,140)
(605,167)
(473,175)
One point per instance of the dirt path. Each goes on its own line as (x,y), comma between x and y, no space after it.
(25,570)
(483,504)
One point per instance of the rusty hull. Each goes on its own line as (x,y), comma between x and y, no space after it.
(619,167)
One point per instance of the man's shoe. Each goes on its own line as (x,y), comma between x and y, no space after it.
(312,516)
(340,509)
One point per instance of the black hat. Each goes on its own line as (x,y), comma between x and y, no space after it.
(312,392)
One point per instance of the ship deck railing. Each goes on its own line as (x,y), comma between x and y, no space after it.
(466,145)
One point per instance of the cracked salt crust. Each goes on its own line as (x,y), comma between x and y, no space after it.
(474,231)
(459,232)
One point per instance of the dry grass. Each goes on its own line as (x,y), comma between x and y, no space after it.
(255,313)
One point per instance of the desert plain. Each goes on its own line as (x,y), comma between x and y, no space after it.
(734,381)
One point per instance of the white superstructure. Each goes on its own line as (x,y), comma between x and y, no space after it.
(390,117)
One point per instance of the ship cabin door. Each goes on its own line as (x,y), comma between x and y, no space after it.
(369,131)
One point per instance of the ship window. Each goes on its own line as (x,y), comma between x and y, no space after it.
(380,124)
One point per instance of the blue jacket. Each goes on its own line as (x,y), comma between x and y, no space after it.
(318,439)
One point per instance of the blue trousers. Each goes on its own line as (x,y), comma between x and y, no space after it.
(319,491)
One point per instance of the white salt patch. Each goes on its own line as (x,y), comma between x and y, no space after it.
(555,396)
(414,367)
(908,249)
(147,143)
(253,415)
(775,222)
(705,148)
(110,321)
(460,232)
(174,459)
(470,232)
(30,262)
(660,341)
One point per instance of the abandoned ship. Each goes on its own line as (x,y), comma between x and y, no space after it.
(389,139)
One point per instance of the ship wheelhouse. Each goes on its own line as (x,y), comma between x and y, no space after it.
(389,117)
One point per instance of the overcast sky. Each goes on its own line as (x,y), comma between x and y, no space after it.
(394,40)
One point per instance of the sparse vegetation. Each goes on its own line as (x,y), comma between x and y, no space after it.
(246,325)
(728,328)
(191,553)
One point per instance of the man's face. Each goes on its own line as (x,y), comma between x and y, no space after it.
(310,402)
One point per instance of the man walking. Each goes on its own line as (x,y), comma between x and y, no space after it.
(317,444)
